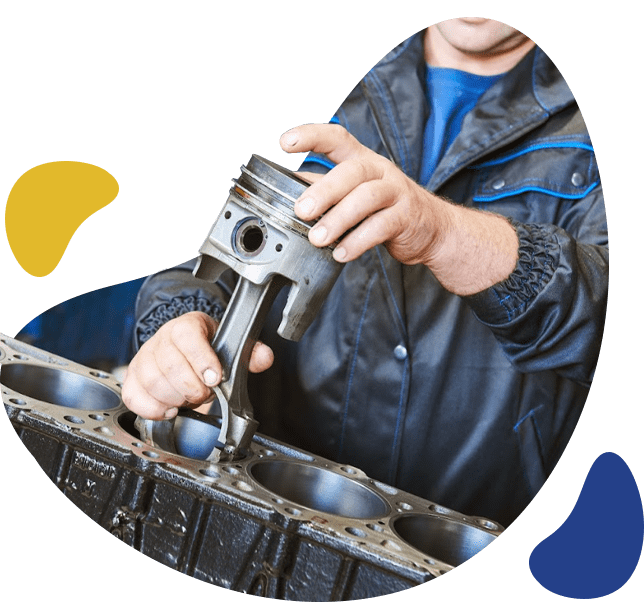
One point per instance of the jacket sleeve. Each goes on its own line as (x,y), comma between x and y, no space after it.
(174,292)
(549,314)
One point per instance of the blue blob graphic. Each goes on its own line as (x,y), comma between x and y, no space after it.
(597,549)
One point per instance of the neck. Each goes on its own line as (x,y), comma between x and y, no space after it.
(440,53)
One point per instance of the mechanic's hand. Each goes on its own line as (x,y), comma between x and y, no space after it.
(466,249)
(177,366)
(363,187)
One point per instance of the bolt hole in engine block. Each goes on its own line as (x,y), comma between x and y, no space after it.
(222,520)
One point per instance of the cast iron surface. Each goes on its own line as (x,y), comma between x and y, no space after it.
(276,521)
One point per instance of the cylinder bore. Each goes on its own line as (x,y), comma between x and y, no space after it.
(441,538)
(319,489)
(59,387)
(195,439)
(188,437)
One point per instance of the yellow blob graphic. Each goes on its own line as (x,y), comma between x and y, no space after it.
(47,205)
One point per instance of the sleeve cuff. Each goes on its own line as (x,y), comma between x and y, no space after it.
(172,293)
(176,307)
(538,260)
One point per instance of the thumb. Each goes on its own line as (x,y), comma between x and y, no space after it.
(261,358)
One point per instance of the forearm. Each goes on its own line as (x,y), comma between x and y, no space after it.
(546,298)
(473,249)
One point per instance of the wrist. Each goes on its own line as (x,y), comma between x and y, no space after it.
(473,251)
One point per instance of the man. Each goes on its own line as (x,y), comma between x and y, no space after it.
(453,357)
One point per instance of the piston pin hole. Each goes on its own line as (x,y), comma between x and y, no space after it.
(249,237)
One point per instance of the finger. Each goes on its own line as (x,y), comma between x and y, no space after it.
(139,401)
(309,176)
(178,383)
(335,186)
(376,229)
(328,138)
(359,204)
(145,370)
(152,380)
(204,408)
(261,358)
(191,334)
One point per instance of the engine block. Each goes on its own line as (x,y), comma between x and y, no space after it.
(277,522)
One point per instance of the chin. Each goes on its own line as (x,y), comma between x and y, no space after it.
(477,35)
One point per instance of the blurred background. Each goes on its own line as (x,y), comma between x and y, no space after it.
(94,329)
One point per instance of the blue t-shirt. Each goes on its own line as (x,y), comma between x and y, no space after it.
(451,95)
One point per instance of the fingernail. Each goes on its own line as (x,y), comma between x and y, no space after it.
(210,377)
(318,235)
(290,138)
(339,254)
(171,413)
(306,206)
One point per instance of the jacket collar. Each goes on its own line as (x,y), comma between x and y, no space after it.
(515,105)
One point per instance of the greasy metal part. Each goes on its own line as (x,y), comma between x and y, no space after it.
(233,344)
(276,521)
(258,235)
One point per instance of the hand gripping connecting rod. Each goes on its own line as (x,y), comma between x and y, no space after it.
(258,236)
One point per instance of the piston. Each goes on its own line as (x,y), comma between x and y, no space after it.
(258,235)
